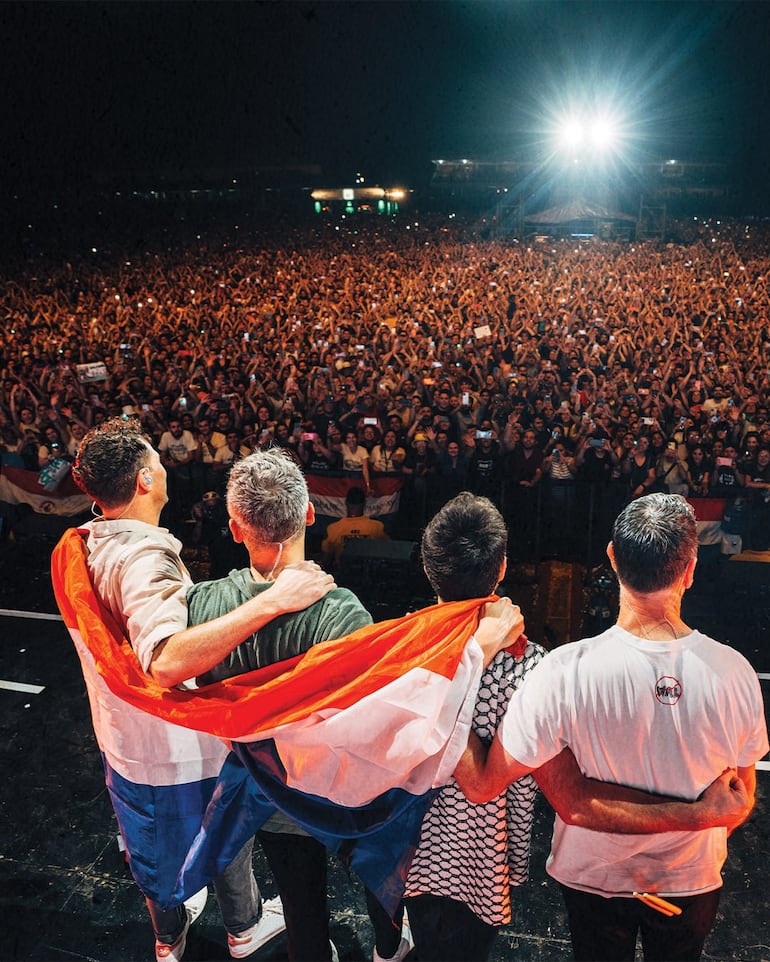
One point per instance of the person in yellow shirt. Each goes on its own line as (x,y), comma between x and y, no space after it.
(355,525)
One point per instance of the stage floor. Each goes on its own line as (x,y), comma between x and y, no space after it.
(66,894)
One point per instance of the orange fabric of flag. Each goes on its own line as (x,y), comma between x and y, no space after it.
(331,676)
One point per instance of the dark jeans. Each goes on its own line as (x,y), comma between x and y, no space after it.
(445,930)
(605,930)
(237,894)
(387,930)
(298,864)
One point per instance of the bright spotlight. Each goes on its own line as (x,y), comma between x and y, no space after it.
(571,134)
(602,134)
(587,136)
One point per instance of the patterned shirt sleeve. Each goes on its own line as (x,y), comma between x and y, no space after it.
(474,853)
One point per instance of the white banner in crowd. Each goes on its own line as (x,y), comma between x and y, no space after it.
(95,371)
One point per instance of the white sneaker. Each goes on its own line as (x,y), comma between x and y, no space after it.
(271,923)
(174,953)
(405,946)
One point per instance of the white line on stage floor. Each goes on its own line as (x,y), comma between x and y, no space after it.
(39,615)
(763,675)
(18,686)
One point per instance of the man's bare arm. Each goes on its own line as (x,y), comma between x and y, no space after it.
(500,625)
(603,806)
(195,650)
(483,773)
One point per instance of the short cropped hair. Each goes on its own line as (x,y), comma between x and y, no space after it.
(654,538)
(268,494)
(109,458)
(356,497)
(463,548)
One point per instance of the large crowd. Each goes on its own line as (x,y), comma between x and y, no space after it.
(560,379)
(421,349)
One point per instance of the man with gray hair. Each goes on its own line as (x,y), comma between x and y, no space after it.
(650,703)
(270,509)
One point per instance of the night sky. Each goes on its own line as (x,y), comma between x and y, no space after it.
(380,88)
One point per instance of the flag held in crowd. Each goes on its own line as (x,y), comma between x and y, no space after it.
(21,486)
(328,495)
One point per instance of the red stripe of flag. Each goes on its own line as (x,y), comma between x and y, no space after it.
(331,676)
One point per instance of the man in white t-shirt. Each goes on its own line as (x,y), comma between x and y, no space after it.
(650,703)
(178,450)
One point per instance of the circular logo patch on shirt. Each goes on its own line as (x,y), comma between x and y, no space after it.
(668,690)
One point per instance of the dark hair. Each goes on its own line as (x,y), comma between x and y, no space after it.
(654,539)
(108,460)
(356,496)
(463,548)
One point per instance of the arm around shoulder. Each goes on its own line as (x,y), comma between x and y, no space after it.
(483,773)
(194,651)
(606,807)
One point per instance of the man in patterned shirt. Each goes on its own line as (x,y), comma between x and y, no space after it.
(458,890)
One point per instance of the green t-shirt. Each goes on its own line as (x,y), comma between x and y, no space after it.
(335,615)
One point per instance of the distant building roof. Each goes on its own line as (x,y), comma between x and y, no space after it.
(576,210)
